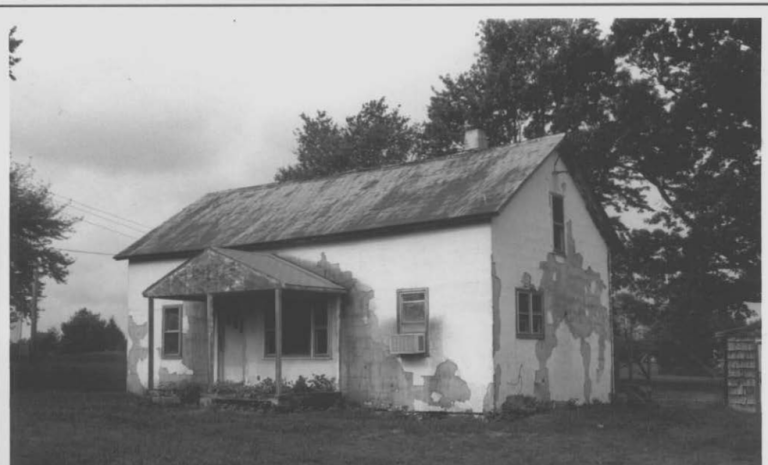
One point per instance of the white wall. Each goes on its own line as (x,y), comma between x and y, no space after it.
(140,277)
(522,240)
(454,264)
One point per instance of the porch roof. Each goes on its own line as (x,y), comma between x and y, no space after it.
(217,270)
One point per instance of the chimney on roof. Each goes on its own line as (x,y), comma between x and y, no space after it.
(474,138)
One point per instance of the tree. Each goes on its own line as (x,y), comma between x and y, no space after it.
(659,108)
(35,222)
(378,135)
(114,337)
(13,44)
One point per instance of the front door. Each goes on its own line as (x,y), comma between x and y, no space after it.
(232,344)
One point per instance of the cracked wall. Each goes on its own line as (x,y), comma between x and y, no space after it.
(573,360)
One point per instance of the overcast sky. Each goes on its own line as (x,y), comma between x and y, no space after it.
(138,112)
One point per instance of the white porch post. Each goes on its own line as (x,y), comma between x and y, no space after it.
(211,342)
(279,340)
(151,344)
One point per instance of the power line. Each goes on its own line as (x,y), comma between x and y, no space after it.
(134,228)
(87,252)
(101,211)
(110,229)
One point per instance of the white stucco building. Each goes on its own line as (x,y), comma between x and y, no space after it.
(444,284)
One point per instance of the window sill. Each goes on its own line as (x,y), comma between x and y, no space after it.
(530,336)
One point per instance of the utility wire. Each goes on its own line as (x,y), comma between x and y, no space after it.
(106,218)
(87,252)
(101,211)
(110,229)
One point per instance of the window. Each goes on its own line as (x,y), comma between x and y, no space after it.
(305,329)
(172,331)
(412,310)
(558,223)
(530,314)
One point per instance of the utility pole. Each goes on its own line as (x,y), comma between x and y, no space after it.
(33,330)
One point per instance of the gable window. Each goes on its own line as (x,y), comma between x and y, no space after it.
(530,314)
(412,310)
(305,329)
(172,331)
(558,223)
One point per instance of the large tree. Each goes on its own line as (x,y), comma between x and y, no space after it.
(658,109)
(378,135)
(35,222)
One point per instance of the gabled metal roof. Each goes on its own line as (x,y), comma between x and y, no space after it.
(466,187)
(220,271)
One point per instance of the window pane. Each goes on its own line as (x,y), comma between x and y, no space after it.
(321,342)
(171,343)
(523,323)
(559,238)
(537,324)
(297,330)
(413,312)
(557,209)
(536,298)
(269,318)
(171,319)
(269,337)
(413,296)
(321,316)
(523,312)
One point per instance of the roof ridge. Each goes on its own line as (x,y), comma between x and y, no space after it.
(454,155)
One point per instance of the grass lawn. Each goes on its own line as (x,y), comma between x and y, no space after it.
(83,426)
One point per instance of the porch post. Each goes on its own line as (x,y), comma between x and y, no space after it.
(279,340)
(151,344)
(211,347)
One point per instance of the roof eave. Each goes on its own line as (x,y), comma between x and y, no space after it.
(321,239)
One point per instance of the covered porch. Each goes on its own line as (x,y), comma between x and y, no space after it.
(229,315)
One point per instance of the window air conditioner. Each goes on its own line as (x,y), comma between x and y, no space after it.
(415,343)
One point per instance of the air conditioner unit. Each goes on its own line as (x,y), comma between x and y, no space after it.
(415,343)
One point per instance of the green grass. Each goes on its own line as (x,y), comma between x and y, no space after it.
(98,427)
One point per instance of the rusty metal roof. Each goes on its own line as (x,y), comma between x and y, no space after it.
(471,185)
(220,270)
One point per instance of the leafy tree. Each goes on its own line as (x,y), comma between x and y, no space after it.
(114,337)
(13,44)
(47,342)
(35,222)
(378,135)
(665,109)
(87,331)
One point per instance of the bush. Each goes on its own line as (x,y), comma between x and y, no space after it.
(188,392)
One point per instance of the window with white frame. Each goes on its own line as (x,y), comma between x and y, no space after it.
(172,331)
(412,310)
(305,328)
(530,314)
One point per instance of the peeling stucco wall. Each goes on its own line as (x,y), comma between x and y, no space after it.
(452,264)
(456,374)
(573,360)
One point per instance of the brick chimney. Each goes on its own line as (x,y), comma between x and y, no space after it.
(474,138)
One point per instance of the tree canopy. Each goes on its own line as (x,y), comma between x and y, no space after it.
(35,222)
(378,135)
(87,331)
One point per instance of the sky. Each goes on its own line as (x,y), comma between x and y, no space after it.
(134,113)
